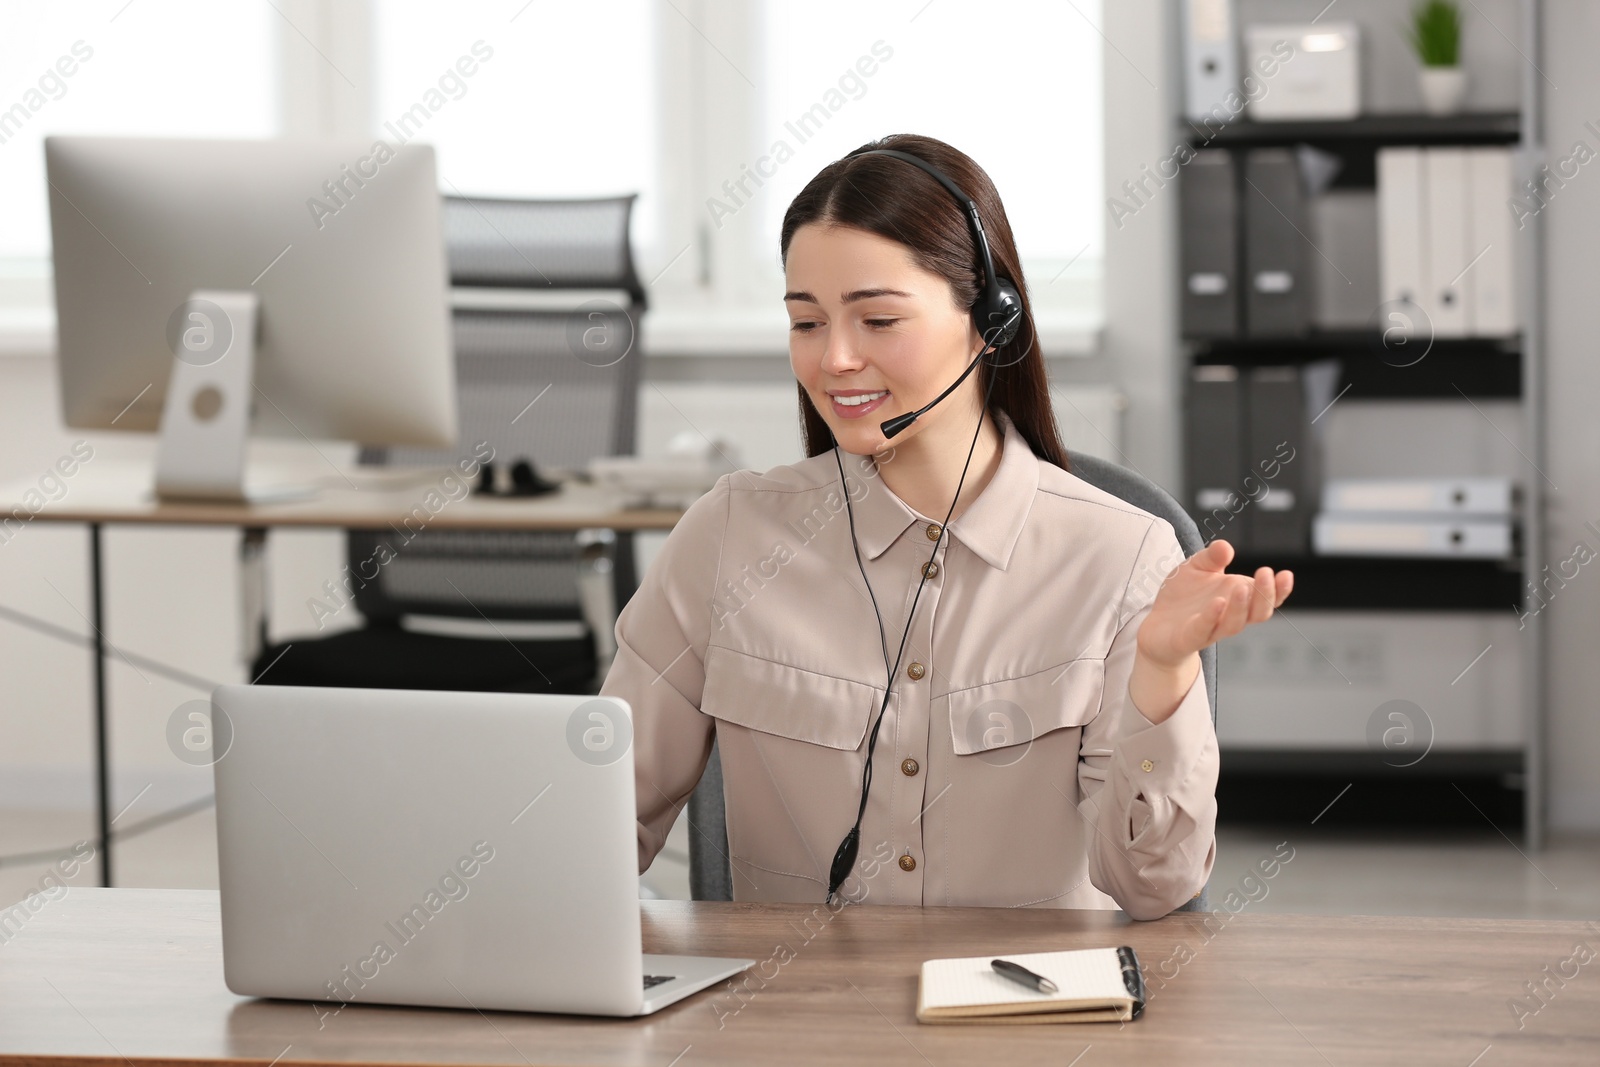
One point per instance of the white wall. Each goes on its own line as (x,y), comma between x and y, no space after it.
(171,594)
(1140,349)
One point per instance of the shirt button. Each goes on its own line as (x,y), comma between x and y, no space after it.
(908,863)
(933,531)
(1147,765)
(929,569)
(916,671)
(909,767)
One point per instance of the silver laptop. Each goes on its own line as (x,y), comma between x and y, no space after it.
(466,850)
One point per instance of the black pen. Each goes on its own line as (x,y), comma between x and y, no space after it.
(1022,976)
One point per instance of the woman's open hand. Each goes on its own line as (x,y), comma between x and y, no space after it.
(1199,604)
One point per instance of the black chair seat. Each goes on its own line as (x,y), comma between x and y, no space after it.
(389,657)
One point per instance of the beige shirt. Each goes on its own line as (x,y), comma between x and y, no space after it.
(1012,768)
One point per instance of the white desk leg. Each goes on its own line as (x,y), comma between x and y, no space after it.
(597,591)
(252,593)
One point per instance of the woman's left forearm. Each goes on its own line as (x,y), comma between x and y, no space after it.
(1157,689)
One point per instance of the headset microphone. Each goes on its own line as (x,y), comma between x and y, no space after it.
(891,427)
(997,314)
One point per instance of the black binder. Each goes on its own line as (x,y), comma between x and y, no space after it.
(1277,291)
(1209,220)
(1282,404)
(1215,467)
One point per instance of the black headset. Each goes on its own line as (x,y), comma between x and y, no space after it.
(997,314)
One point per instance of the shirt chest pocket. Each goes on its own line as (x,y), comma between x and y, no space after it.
(992,720)
(792,743)
(783,701)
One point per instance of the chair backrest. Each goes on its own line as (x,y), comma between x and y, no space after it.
(542,244)
(529,387)
(1146,495)
(710,877)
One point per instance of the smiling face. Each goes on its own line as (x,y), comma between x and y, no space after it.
(872,335)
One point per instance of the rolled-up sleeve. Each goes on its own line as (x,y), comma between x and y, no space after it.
(659,667)
(1148,790)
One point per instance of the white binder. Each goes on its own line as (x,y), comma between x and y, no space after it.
(1418,497)
(1211,63)
(1400,214)
(1491,283)
(1446,256)
(1370,535)
(1446,241)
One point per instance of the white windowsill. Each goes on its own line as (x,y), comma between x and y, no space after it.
(27,331)
(716,332)
(30,332)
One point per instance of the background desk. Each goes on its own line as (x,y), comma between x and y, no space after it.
(349,498)
(111,975)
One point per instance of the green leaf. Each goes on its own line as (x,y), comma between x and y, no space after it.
(1435,33)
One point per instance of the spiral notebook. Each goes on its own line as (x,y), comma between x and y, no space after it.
(1093,985)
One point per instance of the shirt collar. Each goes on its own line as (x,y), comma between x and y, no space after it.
(991,524)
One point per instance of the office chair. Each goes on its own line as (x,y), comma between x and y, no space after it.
(523,388)
(709,875)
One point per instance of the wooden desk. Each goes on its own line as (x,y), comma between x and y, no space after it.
(117,975)
(373,498)
(349,497)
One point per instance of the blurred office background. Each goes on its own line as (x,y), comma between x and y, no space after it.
(716,112)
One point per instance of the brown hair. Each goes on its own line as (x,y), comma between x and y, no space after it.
(891,198)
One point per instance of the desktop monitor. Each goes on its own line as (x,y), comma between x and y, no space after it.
(212,289)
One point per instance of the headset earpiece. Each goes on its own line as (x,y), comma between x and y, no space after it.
(997,313)
(999,309)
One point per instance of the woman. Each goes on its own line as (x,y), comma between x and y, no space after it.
(1047,738)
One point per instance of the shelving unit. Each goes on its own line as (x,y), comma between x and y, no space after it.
(1493,127)
(1476,368)
(1393,583)
(1460,370)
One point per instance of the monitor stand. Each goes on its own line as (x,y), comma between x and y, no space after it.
(205,421)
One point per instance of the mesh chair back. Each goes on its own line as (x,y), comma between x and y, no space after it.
(709,875)
(541,244)
(529,386)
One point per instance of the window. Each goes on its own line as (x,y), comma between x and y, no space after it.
(1014,84)
(179,68)
(675,100)
(777,90)
(559,101)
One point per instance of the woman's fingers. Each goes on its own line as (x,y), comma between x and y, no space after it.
(1213,557)
(1237,613)
(1217,621)
(1263,595)
(1238,600)
(1201,628)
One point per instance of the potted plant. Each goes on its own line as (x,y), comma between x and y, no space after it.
(1436,36)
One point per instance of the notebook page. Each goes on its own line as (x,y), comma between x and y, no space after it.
(1080,974)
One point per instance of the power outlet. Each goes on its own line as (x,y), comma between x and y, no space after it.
(1278,652)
